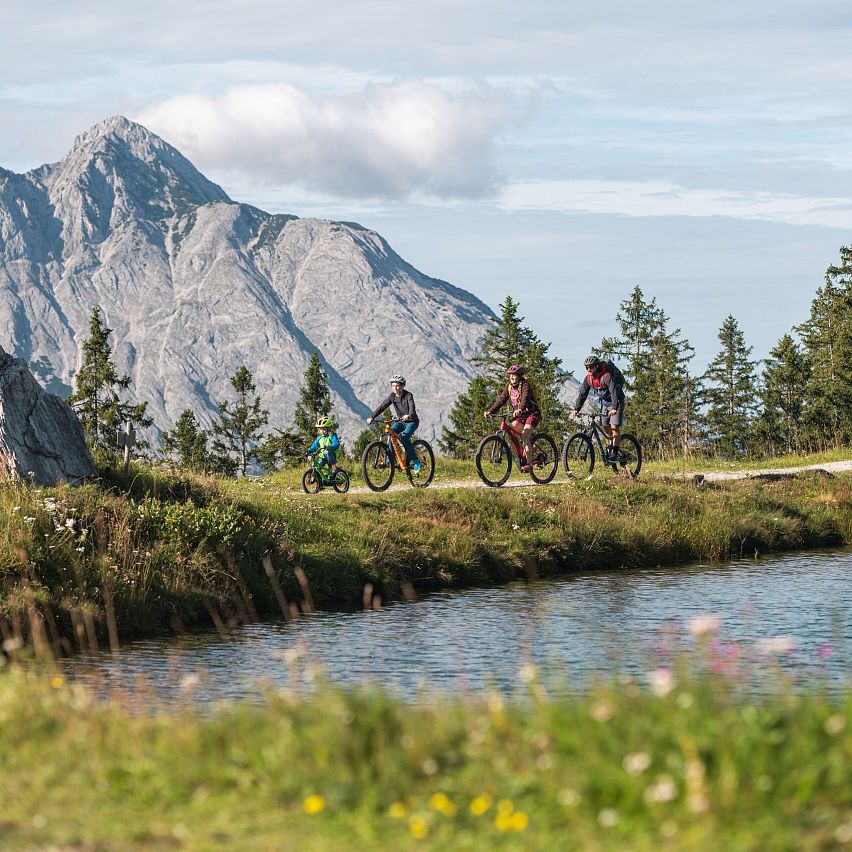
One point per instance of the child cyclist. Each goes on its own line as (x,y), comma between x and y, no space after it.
(326,444)
(406,415)
(526,414)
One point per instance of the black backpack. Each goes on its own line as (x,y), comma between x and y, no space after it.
(616,374)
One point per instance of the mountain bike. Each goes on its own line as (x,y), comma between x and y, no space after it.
(578,453)
(382,458)
(494,456)
(319,475)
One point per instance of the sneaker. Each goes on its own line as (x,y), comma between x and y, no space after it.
(525,468)
(415,467)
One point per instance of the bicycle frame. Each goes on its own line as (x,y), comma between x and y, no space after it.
(322,470)
(505,428)
(395,443)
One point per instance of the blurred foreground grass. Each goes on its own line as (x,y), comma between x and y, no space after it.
(696,762)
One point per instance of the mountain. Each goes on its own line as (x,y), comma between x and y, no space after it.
(194,285)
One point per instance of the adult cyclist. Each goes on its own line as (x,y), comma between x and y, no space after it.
(406,416)
(526,414)
(600,376)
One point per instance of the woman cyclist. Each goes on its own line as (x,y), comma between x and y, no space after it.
(406,414)
(526,414)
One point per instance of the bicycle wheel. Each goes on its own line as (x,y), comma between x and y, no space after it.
(340,481)
(545,458)
(377,466)
(423,453)
(311,482)
(578,455)
(630,455)
(493,460)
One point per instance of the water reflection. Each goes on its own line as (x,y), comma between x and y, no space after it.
(573,628)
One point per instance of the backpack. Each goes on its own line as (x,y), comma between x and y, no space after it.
(616,374)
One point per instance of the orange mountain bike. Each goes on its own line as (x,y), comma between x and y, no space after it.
(383,457)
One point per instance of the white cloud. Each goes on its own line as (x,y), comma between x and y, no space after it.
(663,198)
(389,140)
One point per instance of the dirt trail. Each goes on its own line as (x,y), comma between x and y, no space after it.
(401,483)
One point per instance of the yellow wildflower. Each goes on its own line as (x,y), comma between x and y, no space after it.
(503,821)
(505,806)
(418,828)
(442,803)
(314,804)
(56,682)
(519,821)
(397,810)
(480,804)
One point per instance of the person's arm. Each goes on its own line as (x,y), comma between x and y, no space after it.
(411,415)
(581,396)
(524,398)
(612,391)
(501,400)
(315,446)
(335,442)
(382,407)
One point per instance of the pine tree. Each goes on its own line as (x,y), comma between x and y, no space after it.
(785,374)
(731,391)
(462,435)
(314,400)
(827,341)
(365,436)
(640,322)
(186,443)
(508,342)
(279,448)
(96,390)
(237,430)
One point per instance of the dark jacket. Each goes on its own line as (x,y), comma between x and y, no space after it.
(402,405)
(526,403)
(605,383)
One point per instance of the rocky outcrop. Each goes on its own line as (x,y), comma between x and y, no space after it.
(40,436)
(195,285)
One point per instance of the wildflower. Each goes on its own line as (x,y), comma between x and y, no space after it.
(397,810)
(480,804)
(568,798)
(505,806)
(607,817)
(430,767)
(418,828)
(519,821)
(314,804)
(776,645)
(29,520)
(56,682)
(662,790)
(516,526)
(79,549)
(685,701)
(528,673)
(662,681)
(16,508)
(834,724)
(442,803)
(503,822)
(704,625)
(12,645)
(636,763)
(602,711)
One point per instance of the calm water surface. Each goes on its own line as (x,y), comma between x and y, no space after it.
(573,628)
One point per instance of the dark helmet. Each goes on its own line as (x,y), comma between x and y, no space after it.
(515,370)
(591,362)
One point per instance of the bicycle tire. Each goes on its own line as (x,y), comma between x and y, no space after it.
(545,458)
(340,482)
(377,466)
(423,453)
(311,482)
(493,460)
(630,459)
(578,455)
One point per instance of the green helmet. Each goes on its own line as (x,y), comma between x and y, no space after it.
(325,423)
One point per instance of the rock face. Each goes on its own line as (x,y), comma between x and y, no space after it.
(195,285)
(40,436)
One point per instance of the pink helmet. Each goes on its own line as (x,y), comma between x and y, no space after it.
(516,370)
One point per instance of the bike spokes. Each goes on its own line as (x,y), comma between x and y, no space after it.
(545,458)
(426,461)
(377,466)
(493,460)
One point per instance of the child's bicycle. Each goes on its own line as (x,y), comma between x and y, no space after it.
(383,457)
(319,475)
(494,456)
(578,454)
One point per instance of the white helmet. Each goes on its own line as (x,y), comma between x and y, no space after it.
(400,379)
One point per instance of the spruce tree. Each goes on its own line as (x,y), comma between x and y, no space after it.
(314,400)
(827,341)
(731,390)
(785,375)
(508,342)
(186,443)
(237,430)
(97,384)
(279,448)
(465,428)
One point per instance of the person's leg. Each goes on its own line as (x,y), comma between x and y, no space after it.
(615,422)
(527,436)
(405,431)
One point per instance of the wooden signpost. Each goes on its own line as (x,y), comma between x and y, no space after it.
(126,439)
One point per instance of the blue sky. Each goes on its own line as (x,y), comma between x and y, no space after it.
(556,151)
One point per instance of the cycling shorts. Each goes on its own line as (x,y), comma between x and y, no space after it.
(531,420)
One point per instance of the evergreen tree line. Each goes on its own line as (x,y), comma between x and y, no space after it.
(236,438)
(799,399)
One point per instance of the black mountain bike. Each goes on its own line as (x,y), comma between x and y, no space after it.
(494,456)
(381,459)
(578,453)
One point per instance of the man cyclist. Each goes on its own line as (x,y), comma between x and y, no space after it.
(526,414)
(600,378)
(406,414)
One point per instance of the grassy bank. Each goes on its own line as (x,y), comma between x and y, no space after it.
(698,765)
(78,565)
